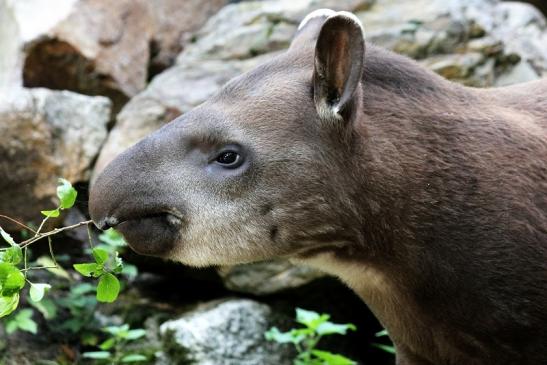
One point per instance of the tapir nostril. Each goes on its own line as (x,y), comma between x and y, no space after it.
(107,222)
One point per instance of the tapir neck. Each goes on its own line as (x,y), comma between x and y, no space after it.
(408,115)
(408,120)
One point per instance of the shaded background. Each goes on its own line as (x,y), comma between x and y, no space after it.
(81,80)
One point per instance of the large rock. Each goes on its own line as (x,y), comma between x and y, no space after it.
(174,24)
(10,59)
(45,135)
(224,333)
(264,278)
(98,47)
(247,29)
(474,42)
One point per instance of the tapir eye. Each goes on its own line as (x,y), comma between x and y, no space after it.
(230,159)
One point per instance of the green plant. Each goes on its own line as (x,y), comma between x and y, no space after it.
(387,348)
(23,321)
(305,339)
(114,350)
(15,264)
(81,303)
(105,267)
(114,243)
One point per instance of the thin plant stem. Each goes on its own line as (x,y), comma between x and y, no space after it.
(25,260)
(39,236)
(51,251)
(17,222)
(40,268)
(40,227)
(314,341)
(89,236)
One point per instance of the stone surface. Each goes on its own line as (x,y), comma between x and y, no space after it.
(45,135)
(246,29)
(522,72)
(268,277)
(447,34)
(97,47)
(10,59)
(224,333)
(174,23)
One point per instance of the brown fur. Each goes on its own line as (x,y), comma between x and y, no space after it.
(429,199)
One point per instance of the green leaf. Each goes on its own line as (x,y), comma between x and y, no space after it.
(11,280)
(309,318)
(328,328)
(273,334)
(10,326)
(88,269)
(97,355)
(5,235)
(116,264)
(13,255)
(108,288)
(382,333)
(108,344)
(8,304)
(332,359)
(89,339)
(100,255)
(66,193)
(305,332)
(135,334)
(57,271)
(46,306)
(134,358)
(113,238)
(51,213)
(306,317)
(81,289)
(130,271)
(23,321)
(37,291)
(118,331)
(386,348)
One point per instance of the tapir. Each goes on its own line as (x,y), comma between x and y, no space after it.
(427,198)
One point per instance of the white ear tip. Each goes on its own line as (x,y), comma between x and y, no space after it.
(350,16)
(316,14)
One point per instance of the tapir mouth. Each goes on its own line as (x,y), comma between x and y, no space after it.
(149,233)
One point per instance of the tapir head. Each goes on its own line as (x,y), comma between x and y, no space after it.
(260,170)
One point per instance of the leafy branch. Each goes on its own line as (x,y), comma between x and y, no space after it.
(305,339)
(55,231)
(14,261)
(113,349)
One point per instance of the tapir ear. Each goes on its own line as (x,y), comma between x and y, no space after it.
(338,66)
(309,28)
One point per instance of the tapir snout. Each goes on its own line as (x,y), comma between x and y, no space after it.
(137,194)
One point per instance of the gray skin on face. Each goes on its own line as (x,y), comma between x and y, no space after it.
(427,198)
